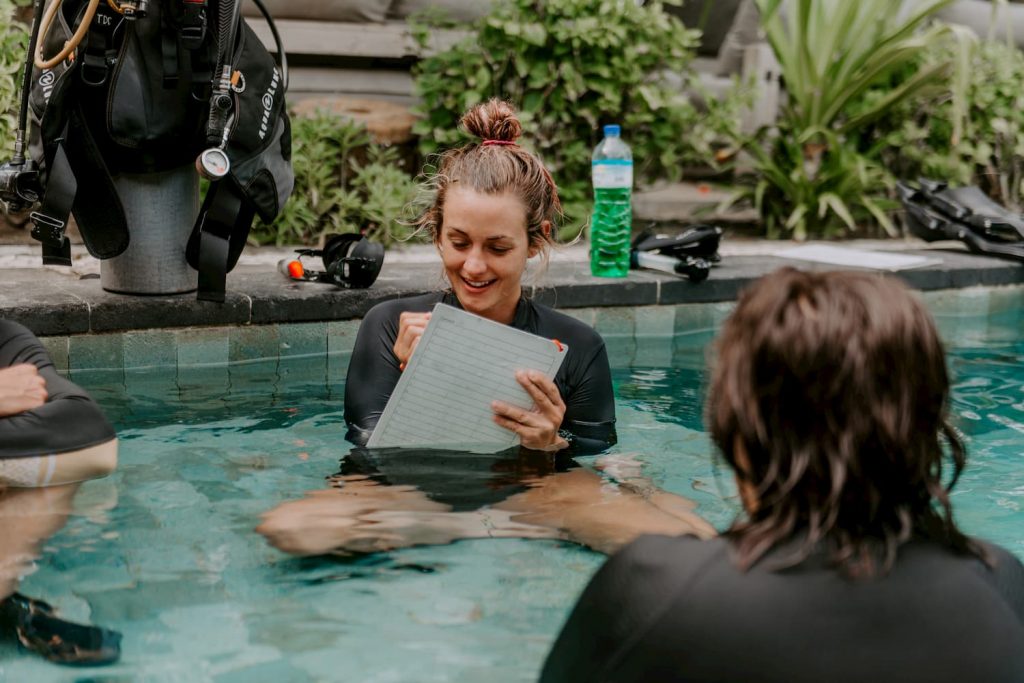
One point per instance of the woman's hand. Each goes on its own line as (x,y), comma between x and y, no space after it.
(410,329)
(537,428)
(21,388)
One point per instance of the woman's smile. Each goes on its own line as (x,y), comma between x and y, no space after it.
(484,247)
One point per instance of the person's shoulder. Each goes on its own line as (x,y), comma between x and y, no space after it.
(654,554)
(1004,573)
(564,327)
(1006,566)
(1000,555)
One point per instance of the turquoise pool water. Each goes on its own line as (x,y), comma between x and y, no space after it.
(164,550)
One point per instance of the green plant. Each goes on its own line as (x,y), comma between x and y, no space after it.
(343,183)
(13,46)
(814,178)
(923,138)
(569,66)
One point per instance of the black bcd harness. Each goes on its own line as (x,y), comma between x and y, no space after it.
(152,90)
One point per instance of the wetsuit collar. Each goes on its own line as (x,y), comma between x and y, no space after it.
(520,321)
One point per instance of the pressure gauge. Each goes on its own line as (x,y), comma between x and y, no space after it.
(213,164)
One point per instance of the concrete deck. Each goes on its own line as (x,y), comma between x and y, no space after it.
(55,301)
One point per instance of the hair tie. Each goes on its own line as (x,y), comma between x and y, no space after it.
(497,142)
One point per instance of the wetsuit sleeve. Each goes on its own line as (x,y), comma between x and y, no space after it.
(589,422)
(69,420)
(373,373)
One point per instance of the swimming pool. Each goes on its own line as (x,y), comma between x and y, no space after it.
(164,550)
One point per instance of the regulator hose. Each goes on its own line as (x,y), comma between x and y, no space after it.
(72,44)
(282,58)
(26,79)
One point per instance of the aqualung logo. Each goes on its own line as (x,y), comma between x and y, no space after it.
(46,81)
(268,104)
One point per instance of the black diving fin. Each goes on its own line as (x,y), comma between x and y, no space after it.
(931,213)
(690,253)
(40,630)
(972,206)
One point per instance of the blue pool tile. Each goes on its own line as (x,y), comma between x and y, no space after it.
(337,368)
(150,386)
(96,352)
(621,350)
(341,335)
(615,322)
(341,338)
(618,328)
(700,319)
(203,356)
(654,331)
(655,321)
(255,342)
(57,349)
(150,349)
(302,339)
(202,347)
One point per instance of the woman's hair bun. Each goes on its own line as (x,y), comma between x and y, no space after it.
(493,120)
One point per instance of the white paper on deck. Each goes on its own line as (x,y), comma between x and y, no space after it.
(856,258)
(462,363)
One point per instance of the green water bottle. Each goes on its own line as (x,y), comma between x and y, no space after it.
(612,220)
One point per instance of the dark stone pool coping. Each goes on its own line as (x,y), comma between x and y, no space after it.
(54,303)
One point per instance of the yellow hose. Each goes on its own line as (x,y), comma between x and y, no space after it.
(70,45)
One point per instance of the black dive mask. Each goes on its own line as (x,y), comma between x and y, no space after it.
(351,261)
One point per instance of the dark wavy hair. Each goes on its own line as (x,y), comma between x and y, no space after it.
(828,399)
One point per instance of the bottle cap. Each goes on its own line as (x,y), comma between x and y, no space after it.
(612,130)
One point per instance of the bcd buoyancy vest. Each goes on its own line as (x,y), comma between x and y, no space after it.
(135,97)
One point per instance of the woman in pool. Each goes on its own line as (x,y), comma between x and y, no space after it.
(828,402)
(494,209)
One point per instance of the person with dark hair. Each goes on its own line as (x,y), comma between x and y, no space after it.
(494,208)
(828,401)
(52,437)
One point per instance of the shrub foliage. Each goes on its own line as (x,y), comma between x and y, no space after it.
(571,66)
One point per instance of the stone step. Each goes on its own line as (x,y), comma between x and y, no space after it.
(689,202)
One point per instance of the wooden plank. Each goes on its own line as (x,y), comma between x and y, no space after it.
(390,40)
(384,84)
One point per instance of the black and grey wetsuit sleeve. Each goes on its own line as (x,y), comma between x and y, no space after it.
(589,422)
(69,420)
(373,372)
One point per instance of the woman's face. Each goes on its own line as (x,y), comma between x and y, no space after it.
(484,247)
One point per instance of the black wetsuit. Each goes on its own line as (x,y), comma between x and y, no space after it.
(584,379)
(465,481)
(678,609)
(69,420)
